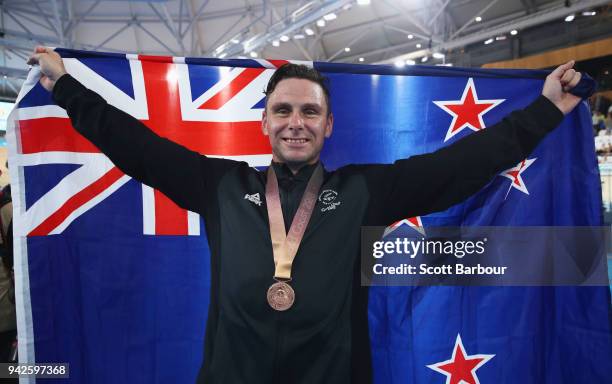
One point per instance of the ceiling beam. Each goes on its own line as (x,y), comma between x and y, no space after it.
(408,14)
(45,17)
(14,72)
(438,13)
(58,24)
(225,35)
(554,12)
(30,34)
(301,48)
(473,19)
(195,18)
(28,18)
(194,27)
(106,17)
(353,41)
(165,18)
(73,22)
(152,36)
(286,27)
(112,36)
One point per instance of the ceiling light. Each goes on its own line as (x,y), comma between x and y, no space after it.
(321,23)
(347,49)
(275,43)
(330,17)
(221,56)
(570,18)
(309,31)
(284,38)
(347,6)
(410,62)
(424,59)
(301,11)
(410,36)
(438,55)
(235,41)
(488,41)
(299,36)
(498,38)
(478,19)
(513,32)
(399,64)
(589,13)
(253,54)
(363,2)
(361,59)
(418,45)
(246,45)
(220,48)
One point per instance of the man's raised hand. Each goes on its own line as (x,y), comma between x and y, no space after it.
(559,83)
(51,66)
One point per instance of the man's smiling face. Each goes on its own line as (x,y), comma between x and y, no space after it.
(297,122)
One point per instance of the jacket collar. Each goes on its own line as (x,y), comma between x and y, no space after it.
(283,172)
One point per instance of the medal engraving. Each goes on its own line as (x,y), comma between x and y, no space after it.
(281,296)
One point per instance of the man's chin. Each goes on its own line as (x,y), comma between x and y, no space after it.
(296,159)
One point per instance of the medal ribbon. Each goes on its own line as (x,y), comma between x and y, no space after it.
(285,245)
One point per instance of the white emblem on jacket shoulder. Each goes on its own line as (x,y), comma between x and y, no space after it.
(328,198)
(254,198)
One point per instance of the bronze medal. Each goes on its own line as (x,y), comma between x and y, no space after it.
(285,245)
(281,296)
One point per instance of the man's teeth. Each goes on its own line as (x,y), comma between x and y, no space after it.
(296,141)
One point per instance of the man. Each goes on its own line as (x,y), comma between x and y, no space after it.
(286,305)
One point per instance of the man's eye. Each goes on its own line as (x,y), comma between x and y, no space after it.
(282,111)
(311,112)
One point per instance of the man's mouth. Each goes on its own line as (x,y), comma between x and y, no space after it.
(295,141)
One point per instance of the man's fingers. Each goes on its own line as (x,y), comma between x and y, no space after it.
(560,70)
(38,51)
(575,80)
(572,82)
(567,76)
(34,59)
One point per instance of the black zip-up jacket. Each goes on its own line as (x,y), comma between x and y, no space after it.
(323,338)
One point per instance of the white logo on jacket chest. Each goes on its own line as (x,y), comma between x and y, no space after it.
(329,199)
(254,198)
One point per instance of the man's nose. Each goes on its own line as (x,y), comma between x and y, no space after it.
(296,121)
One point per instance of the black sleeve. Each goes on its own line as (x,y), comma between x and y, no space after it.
(435,181)
(179,173)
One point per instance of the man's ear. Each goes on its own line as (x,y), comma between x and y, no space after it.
(329,125)
(264,123)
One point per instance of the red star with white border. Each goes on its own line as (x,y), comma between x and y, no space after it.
(515,173)
(467,112)
(461,367)
(413,222)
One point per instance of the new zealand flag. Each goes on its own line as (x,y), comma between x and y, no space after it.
(113,278)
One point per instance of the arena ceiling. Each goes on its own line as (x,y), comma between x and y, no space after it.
(353,31)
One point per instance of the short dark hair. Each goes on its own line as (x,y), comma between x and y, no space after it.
(299,71)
